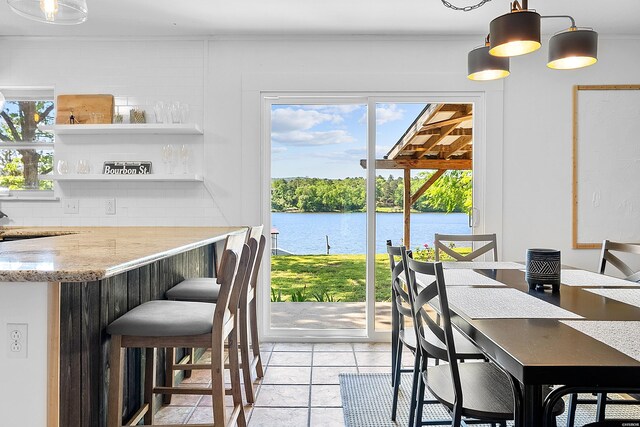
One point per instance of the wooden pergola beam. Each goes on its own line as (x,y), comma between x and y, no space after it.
(451,121)
(451,164)
(456,145)
(455,132)
(424,187)
(444,132)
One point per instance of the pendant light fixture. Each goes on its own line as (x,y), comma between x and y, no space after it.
(60,12)
(483,66)
(573,48)
(518,33)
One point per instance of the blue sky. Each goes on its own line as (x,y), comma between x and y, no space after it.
(328,141)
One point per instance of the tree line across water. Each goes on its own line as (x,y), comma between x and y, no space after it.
(450,193)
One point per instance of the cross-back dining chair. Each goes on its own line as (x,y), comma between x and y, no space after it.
(170,324)
(404,336)
(477,390)
(440,244)
(609,254)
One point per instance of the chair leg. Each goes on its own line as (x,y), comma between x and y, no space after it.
(396,382)
(169,377)
(149,384)
(394,341)
(571,411)
(456,416)
(419,400)
(191,352)
(255,341)
(414,388)
(601,406)
(217,383)
(244,354)
(234,372)
(116,379)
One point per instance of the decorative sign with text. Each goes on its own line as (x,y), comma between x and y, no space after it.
(126,168)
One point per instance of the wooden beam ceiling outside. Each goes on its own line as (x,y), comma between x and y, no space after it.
(432,179)
(451,164)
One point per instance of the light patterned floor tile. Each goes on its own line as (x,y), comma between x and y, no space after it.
(333,346)
(272,417)
(292,346)
(283,396)
(330,374)
(290,359)
(287,375)
(327,417)
(325,396)
(334,359)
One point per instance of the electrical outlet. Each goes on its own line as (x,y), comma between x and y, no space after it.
(71,206)
(110,206)
(17,339)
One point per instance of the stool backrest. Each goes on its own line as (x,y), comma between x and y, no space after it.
(607,256)
(255,269)
(236,257)
(439,239)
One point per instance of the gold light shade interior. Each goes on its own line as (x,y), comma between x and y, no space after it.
(515,48)
(572,62)
(488,75)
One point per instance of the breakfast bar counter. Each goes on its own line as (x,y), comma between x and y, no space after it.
(64,285)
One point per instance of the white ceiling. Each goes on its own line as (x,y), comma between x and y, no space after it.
(316,17)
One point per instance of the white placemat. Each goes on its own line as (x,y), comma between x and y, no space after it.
(588,278)
(624,336)
(480,265)
(504,303)
(627,296)
(459,278)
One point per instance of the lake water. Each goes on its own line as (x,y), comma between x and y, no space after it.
(304,233)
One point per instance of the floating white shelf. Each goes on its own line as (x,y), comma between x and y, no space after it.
(154,177)
(132,129)
(26,145)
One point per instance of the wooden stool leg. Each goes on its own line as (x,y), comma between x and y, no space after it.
(217,381)
(244,353)
(255,341)
(234,373)
(116,378)
(149,384)
(169,377)
(191,352)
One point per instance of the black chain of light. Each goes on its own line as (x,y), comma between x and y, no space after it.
(466,8)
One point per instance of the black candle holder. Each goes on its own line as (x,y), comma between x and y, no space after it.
(543,268)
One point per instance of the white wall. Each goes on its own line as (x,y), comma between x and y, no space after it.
(221,78)
(138,73)
(24,381)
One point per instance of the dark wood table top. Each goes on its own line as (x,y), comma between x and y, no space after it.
(546,351)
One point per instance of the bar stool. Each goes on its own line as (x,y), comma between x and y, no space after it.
(169,324)
(205,289)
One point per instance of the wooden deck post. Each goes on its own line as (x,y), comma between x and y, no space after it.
(406,210)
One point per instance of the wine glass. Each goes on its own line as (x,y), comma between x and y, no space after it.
(184,156)
(62,167)
(167,158)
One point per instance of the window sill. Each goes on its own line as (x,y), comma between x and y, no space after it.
(29,198)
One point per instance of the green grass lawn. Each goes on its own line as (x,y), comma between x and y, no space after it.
(334,277)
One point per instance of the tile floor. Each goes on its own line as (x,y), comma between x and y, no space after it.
(300,387)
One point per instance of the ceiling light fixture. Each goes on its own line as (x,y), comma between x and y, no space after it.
(518,33)
(60,12)
(483,66)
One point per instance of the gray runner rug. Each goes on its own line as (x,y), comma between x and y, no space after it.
(366,400)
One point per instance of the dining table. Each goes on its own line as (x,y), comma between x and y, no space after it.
(587,334)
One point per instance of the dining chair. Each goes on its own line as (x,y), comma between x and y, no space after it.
(403,335)
(608,256)
(170,324)
(440,240)
(479,390)
(207,290)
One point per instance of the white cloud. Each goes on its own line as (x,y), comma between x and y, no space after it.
(289,119)
(296,137)
(386,113)
(334,109)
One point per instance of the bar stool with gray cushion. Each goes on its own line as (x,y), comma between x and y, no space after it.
(205,289)
(169,324)
(440,245)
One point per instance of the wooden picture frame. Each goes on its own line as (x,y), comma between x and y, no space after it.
(613,129)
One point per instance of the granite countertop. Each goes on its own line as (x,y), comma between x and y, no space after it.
(82,254)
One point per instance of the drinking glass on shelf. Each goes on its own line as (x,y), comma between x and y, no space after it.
(184,156)
(167,158)
(161,110)
(176,112)
(184,113)
(62,167)
(83,167)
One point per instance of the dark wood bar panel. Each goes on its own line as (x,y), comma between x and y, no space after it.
(86,310)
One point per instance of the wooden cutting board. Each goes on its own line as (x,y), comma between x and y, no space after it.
(82,106)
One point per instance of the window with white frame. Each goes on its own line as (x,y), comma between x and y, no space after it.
(26,152)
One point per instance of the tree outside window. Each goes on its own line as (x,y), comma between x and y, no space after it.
(20,167)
